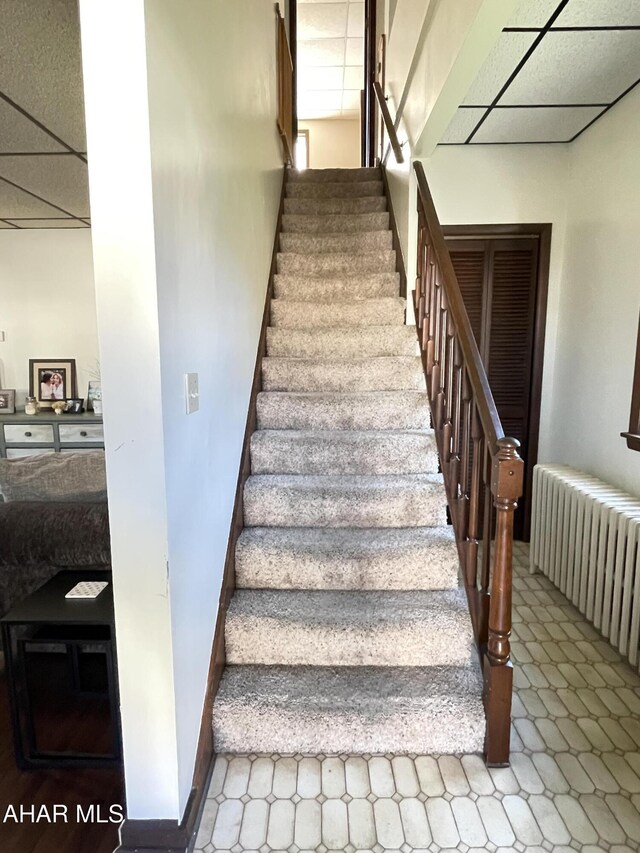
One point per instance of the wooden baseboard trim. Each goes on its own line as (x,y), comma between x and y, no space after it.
(168,836)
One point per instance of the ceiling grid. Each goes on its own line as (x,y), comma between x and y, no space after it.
(556,69)
(43,162)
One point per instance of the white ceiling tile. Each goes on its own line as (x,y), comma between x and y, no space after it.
(354,77)
(355,51)
(535,13)
(322,20)
(40,64)
(315,114)
(6,226)
(61,181)
(14,202)
(320,101)
(351,99)
(356,19)
(330,77)
(321,52)
(599,13)
(545,124)
(351,115)
(319,1)
(578,68)
(499,65)
(19,134)
(462,124)
(49,223)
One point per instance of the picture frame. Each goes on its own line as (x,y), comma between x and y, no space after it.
(94,395)
(7,401)
(52,379)
(75,406)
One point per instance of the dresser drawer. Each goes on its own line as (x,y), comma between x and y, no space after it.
(80,433)
(28,433)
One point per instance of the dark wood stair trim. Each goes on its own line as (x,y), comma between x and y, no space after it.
(170,836)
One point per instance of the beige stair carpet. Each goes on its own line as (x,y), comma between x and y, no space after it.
(348,631)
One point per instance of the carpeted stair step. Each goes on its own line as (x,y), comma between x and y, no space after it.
(387,373)
(290,500)
(344,558)
(350,342)
(348,628)
(382,311)
(343,452)
(356,410)
(334,710)
(336,288)
(362,173)
(334,223)
(334,189)
(342,206)
(365,241)
(336,262)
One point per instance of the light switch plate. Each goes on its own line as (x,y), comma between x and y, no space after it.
(191,392)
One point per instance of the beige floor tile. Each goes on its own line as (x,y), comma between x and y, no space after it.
(335,825)
(468,821)
(598,773)
(207,822)
(357,777)
(530,735)
(442,823)
(550,773)
(603,819)
(414,822)
(388,824)
(594,732)
(261,777)
(575,819)
(573,735)
(381,775)
(284,778)
(429,776)
(616,734)
(504,780)
(361,824)
(495,821)
(622,772)
(575,774)
(404,774)
(217,777)
(309,778)
(227,826)
(477,774)
(255,819)
(308,825)
(552,736)
(526,774)
(522,820)
(453,775)
(549,820)
(281,824)
(626,814)
(333,777)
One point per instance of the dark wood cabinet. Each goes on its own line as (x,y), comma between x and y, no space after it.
(503,278)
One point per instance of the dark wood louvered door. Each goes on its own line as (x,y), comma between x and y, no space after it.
(500,279)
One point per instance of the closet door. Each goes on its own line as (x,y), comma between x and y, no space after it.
(498,280)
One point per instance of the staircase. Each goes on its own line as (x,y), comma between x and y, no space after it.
(348,631)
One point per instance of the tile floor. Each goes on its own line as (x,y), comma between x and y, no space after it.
(573,784)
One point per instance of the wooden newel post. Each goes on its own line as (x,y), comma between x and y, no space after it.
(506,487)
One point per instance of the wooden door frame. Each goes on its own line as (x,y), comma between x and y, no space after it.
(368,129)
(543,232)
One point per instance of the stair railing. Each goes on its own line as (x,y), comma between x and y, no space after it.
(483,472)
(285,91)
(388,123)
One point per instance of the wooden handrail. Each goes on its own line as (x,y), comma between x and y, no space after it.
(388,123)
(285,91)
(483,472)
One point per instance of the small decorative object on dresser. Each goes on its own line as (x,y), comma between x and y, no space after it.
(7,402)
(94,397)
(75,406)
(31,406)
(59,406)
(52,379)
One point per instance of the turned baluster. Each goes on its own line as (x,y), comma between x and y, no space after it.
(477,438)
(454,463)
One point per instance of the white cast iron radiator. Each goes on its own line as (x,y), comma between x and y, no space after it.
(585,537)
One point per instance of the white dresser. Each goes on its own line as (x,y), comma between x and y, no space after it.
(30,435)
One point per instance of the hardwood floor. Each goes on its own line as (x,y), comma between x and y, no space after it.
(70,788)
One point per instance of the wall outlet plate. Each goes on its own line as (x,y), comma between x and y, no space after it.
(192,393)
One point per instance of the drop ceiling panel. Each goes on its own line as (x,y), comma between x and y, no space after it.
(48,223)
(599,13)
(321,100)
(547,124)
(500,64)
(330,77)
(19,134)
(351,100)
(355,51)
(462,124)
(578,68)
(354,77)
(40,41)
(356,19)
(60,180)
(6,226)
(323,20)
(315,52)
(534,13)
(15,202)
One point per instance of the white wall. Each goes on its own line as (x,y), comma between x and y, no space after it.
(47,303)
(489,184)
(181,272)
(600,301)
(333,143)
